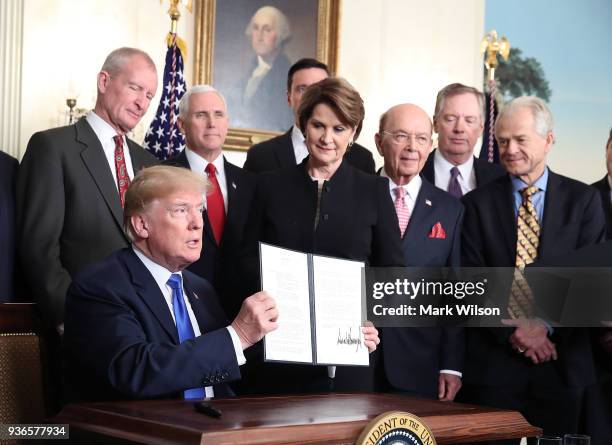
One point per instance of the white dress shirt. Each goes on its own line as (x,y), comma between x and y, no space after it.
(442,168)
(299,145)
(105,134)
(198,165)
(257,76)
(412,190)
(161,276)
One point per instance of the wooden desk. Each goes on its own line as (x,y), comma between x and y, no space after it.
(312,419)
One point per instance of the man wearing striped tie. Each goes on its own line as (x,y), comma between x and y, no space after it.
(531,213)
(138,325)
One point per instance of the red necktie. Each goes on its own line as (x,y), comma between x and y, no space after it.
(123,179)
(214,204)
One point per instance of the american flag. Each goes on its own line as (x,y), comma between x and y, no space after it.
(163,138)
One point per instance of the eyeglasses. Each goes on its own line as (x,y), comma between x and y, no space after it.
(401,138)
(183,211)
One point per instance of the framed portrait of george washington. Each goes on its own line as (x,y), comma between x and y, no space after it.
(244,48)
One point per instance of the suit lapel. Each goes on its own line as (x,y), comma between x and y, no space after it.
(420,216)
(428,171)
(284,150)
(96,163)
(197,306)
(149,292)
(232,179)
(554,204)
(504,204)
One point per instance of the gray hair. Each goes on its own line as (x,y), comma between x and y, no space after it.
(454,89)
(282,23)
(196,89)
(543,121)
(118,57)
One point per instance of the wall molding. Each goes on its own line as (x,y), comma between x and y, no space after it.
(11,43)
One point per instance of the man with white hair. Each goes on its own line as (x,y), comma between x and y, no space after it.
(204,121)
(530,214)
(262,104)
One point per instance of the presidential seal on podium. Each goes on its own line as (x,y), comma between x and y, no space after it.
(396,428)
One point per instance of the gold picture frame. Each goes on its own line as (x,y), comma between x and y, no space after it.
(327,36)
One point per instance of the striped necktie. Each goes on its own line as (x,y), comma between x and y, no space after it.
(403,214)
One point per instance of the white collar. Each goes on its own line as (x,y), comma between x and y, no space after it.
(465,169)
(104,131)
(198,163)
(160,273)
(412,188)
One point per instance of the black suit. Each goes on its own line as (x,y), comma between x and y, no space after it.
(413,357)
(278,153)
(357,221)
(8,176)
(121,342)
(218,263)
(484,171)
(496,373)
(68,210)
(604,189)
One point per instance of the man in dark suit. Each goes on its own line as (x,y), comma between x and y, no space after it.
(204,121)
(72,180)
(530,214)
(422,361)
(603,185)
(458,120)
(289,149)
(137,324)
(8,175)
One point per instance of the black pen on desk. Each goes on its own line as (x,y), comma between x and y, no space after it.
(207,409)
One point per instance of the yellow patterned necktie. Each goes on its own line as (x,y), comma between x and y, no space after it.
(520,303)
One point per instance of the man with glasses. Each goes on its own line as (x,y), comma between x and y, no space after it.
(138,325)
(420,361)
(459,121)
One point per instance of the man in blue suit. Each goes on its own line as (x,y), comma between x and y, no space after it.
(421,361)
(140,326)
(8,175)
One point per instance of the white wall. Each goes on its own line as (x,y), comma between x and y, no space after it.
(392,51)
(66,41)
(405,51)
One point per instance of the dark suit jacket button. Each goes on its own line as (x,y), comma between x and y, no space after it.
(325,217)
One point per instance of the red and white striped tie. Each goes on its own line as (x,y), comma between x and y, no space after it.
(403,214)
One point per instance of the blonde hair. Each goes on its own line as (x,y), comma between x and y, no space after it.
(154,183)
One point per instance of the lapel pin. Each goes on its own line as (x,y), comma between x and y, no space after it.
(196,296)
(428,202)
(234,185)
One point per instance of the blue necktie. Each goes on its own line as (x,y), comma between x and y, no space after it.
(183,324)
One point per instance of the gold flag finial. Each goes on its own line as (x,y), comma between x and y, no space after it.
(494,46)
(174,12)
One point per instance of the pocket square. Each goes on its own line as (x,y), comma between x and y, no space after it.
(437,231)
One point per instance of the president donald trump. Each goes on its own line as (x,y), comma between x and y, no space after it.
(140,326)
